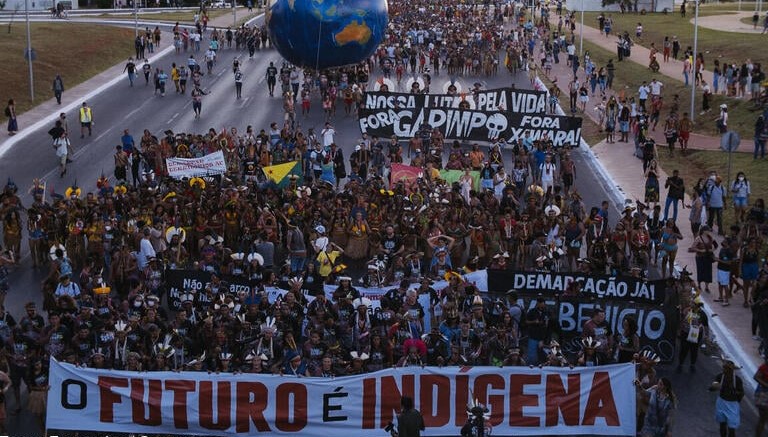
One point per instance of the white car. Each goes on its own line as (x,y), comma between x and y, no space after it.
(221,4)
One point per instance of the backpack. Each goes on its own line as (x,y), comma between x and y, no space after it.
(7,111)
(65,267)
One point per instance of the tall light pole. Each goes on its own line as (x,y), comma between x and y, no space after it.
(29,53)
(581,31)
(693,64)
(234,14)
(135,18)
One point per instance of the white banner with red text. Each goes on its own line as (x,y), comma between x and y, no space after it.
(522,401)
(208,165)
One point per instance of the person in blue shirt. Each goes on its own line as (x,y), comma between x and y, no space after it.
(294,365)
(716,204)
(127,141)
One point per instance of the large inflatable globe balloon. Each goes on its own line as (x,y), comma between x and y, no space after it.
(327,33)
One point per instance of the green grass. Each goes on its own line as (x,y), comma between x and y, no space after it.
(698,163)
(728,46)
(630,75)
(76,51)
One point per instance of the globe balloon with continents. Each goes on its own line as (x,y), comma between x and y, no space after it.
(327,33)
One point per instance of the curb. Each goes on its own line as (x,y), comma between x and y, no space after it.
(47,120)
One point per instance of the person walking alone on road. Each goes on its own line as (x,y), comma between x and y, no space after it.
(86,120)
(130,67)
(61,145)
(197,100)
(271,78)
(10,112)
(239,83)
(58,88)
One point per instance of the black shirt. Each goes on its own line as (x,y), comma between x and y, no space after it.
(538,331)
(731,389)
(390,244)
(726,257)
(410,424)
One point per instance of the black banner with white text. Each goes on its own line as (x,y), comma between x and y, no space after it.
(502,113)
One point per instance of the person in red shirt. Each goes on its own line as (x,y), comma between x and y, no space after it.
(761,397)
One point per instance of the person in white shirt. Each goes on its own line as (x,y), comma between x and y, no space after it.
(642,94)
(656,88)
(61,144)
(722,121)
(146,251)
(547,170)
(328,133)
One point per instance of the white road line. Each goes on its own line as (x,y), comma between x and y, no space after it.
(130,114)
(43,122)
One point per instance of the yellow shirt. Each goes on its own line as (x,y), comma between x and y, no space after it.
(327,261)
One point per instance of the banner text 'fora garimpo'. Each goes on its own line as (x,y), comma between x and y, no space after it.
(485,116)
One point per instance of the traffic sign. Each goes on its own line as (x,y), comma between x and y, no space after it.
(730,141)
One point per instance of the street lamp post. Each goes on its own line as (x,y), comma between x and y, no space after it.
(693,64)
(135,18)
(29,53)
(234,13)
(581,31)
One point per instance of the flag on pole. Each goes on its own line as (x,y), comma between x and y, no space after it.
(280,173)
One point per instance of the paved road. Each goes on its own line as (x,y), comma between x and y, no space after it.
(136,108)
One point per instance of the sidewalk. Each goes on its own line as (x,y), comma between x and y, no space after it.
(46,112)
(625,169)
(672,69)
(731,22)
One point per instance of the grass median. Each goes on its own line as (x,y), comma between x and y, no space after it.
(714,44)
(76,51)
(630,75)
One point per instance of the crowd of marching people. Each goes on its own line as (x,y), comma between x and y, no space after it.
(338,225)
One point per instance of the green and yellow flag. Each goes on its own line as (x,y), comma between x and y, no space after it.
(280,173)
